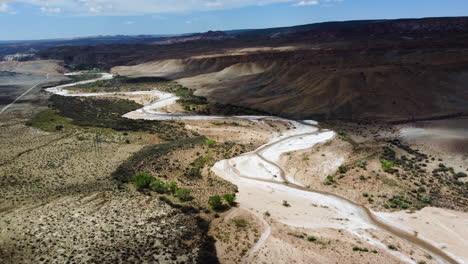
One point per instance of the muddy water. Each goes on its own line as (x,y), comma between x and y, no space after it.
(148,112)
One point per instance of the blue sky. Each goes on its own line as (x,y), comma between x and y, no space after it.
(41,19)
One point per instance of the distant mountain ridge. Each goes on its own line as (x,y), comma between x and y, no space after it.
(404,69)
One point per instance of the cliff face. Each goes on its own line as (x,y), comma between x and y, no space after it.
(307,84)
(388,70)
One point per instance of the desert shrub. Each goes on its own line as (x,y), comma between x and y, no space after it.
(426,199)
(215,202)
(210,143)
(285,203)
(356,248)
(183,194)
(342,169)
(159,186)
(311,239)
(142,180)
(362,164)
(460,175)
(240,222)
(230,199)
(172,187)
(329,180)
(387,166)
(392,247)
(194,172)
(198,164)
(398,203)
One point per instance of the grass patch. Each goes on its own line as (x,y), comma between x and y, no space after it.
(48,120)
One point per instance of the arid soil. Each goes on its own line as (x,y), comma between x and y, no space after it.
(74,171)
(59,204)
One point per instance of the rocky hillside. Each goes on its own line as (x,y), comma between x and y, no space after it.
(380,69)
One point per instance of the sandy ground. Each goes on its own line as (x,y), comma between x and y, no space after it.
(448,228)
(240,226)
(290,244)
(238,130)
(447,139)
(40,67)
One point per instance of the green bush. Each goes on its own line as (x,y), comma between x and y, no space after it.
(362,164)
(215,202)
(210,143)
(159,186)
(183,194)
(194,172)
(329,180)
(426,199)
(311,238)
(392,247)
(387,166)
(342,169)
(230,199)
(172,187)
(142,180)
(240,222)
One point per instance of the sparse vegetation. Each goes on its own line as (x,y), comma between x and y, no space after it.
(240,222)
(183,194)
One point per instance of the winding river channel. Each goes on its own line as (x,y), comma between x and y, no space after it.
(258,171)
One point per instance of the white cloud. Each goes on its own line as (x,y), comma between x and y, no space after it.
(141,7)
(4,7)
(50,10)
(129,22)
(306,3)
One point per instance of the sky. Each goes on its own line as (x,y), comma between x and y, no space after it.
(46,19)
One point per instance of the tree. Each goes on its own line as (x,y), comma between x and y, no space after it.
(183,194)
(230,199)
(215,202)
(142,180)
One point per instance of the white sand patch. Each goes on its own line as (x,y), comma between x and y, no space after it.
(444,228)
(308,210)
(274,152)
(254,167)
